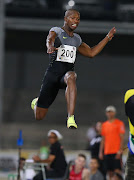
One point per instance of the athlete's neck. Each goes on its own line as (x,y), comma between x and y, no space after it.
(68,30)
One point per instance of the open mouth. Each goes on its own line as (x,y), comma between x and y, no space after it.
(74,25)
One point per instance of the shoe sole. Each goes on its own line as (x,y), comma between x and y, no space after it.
(72,127)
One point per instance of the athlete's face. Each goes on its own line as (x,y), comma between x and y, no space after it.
(72,20)
(80,162)
(93,164)
(110,114)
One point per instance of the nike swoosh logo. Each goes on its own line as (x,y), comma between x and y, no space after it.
(64,37)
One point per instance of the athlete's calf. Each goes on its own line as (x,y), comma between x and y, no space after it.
(71,91)
(40,113)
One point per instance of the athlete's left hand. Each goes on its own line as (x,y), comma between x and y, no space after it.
(111,33)
(36,159)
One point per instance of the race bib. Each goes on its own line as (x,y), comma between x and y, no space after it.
(66,53)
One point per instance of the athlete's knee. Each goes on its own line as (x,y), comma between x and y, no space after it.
(70,77)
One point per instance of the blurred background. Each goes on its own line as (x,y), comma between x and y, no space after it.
(102,81)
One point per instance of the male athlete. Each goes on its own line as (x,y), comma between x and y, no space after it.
(62,44)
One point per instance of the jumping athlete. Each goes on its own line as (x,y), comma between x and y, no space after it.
(62,44)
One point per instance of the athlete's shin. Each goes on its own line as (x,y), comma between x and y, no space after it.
(71,93)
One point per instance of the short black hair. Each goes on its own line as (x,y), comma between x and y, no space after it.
(83,156)
(118,175)
(71,10)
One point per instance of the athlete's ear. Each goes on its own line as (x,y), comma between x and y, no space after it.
(65,18)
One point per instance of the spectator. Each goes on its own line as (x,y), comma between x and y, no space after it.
(95,174)
(78,170)
(56,159)
(95,147)
(21,166)
(112,142)
(44,150)
(117,176)
(95,142)
(91,133)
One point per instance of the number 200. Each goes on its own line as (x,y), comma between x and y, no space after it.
(67,53)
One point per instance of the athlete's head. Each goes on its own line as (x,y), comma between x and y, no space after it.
(72,19)
(94,164)
(110,112)
(80,161)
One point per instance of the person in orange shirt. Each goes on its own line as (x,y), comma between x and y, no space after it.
(113,131)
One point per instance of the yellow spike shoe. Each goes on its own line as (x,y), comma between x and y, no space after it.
(33,103)
(71,123)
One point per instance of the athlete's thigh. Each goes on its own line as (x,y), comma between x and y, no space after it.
(63,84)
(48,91)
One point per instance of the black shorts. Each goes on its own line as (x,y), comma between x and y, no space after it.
(111,163)
(52,82)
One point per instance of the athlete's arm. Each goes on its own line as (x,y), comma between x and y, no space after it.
(85,174)
(101,148)
(50,159)
(87,51)
(50,42)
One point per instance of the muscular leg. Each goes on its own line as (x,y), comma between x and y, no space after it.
(48,93)
(40,113)
(71,92)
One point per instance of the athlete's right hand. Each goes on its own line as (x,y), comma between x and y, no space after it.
(51,49)
(100,155)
